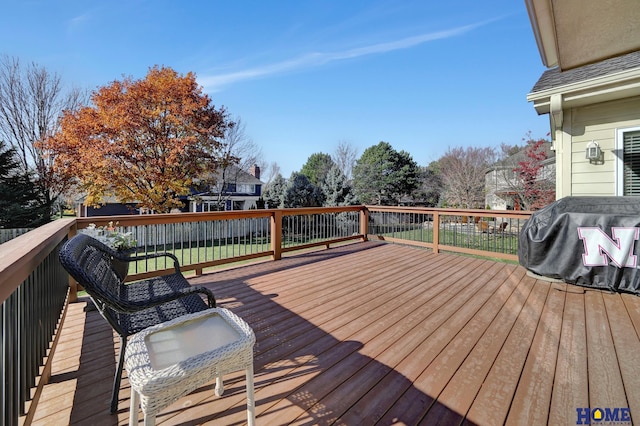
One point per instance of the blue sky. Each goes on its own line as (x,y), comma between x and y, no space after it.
(304,75)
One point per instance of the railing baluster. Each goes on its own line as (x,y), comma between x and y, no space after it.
(11,403)
(29,315)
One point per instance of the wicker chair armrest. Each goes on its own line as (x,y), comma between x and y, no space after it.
(136,257)
(129,307)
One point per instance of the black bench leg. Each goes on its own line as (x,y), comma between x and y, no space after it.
(118,377)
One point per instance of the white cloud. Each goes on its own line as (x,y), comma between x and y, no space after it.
(216,82)
(77,22)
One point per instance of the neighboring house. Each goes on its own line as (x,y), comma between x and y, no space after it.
(591,92)
(109,207)
(236,190)
(502,186)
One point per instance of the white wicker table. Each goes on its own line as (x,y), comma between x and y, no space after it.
(172,359)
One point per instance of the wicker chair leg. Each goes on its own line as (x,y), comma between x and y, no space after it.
(219,386)
(118,376)
(134,407)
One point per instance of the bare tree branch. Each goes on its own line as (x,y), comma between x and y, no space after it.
(31,102)
(463,175)
(241,146)
(240,154)
(345,157)
(269,171)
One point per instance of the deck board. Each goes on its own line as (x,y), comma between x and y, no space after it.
(447,323)
(627,348)
(532,399)
(460,393)
(492,403)
(571,385)
(377,333)
(438,374)
(605,382)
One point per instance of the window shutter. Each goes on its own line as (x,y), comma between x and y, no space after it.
(632,163)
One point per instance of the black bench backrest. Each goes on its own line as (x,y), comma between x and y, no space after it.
(91,263)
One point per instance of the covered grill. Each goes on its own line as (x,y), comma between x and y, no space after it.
(587,241)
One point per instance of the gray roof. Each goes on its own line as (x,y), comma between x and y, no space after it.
(237,175)
(555,78)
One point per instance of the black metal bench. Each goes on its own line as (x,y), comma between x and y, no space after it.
(129,308)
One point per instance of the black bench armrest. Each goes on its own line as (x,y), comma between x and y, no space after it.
(136,257)
(131,306)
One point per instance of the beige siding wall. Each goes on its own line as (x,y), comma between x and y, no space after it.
(598,122)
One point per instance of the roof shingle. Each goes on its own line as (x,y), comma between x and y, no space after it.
(555,78)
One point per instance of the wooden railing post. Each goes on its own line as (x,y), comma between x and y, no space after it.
(276,234)
(436,231)
(364,223)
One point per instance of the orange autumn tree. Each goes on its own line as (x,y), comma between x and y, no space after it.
(142,140)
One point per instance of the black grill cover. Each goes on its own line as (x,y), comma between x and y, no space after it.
(587,241)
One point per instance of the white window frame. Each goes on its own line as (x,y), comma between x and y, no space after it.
(620,158)
(245,188)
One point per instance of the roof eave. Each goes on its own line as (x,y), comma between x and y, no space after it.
(601,89)
(542,24)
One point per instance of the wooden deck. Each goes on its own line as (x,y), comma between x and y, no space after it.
(375,333)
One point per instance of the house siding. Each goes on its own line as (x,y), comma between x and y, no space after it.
(598,122)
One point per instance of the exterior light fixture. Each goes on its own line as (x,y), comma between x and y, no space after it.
(594,153)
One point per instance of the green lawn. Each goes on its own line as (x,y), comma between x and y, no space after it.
(499,243)
(189,255)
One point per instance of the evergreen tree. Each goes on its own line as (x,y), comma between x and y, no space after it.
(20,204)
(260,204)
(337,190)
(300,192)
(383,175)
(317,167)
(274,192)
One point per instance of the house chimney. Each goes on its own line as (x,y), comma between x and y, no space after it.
(255,171)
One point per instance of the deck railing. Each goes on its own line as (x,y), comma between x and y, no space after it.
(205,240)
(489,233)
(10,234)
(35,290)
